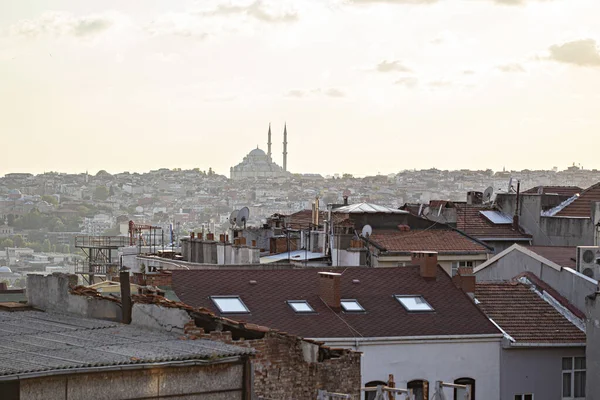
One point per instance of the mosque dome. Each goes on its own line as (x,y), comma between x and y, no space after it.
(5,270)
(257,153)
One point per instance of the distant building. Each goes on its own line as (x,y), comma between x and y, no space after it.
(258,164)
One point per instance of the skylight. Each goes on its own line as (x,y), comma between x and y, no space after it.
(351,305)
(230,304)
(300,306)
(414,303)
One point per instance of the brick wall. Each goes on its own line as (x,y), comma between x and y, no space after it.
(153,279)
(288,368)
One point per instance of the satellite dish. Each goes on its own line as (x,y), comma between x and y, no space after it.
(366,231)
(242,217)
(233,216)
(487,195)
(426,211)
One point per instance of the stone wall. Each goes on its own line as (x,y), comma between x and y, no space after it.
(289,368)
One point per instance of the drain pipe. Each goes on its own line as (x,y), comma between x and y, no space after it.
(126,304)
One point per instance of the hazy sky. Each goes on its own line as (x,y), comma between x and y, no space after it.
(365,86)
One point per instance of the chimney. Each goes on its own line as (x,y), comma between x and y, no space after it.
(329,289)
(199,235)
(125,296)
(474,198)
(345,200)
(427,261)
(222,238)
(192,235)
(3,286)
(465,280)
(516,216)
(210,236)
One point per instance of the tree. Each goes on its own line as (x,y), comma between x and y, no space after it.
(347,176)
(50,199)
(10,219)
(6,243)
(18,241)
(101,193)
(46,246)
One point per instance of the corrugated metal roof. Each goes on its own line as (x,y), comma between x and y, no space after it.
(33,341)
(367,208)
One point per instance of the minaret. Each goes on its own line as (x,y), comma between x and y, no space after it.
(269,143)
(285,147)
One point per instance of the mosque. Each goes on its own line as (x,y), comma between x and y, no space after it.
(258,165)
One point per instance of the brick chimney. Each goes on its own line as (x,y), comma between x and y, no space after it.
(465,279)
(3,286)
(427,260)
(329,289)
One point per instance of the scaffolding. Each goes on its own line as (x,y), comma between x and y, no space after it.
(98,252)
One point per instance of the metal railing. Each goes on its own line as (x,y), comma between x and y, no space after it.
(101,241)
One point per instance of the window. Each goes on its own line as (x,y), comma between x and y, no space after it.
(420,389)
(524,396)
(573,378)
(372,395)
(460,394)
(457,264)
(351,305)
(301,306)
(230,304)
(414,303)
(10,390)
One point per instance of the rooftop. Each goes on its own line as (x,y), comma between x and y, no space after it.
(581,206)
(471,220)
(568,191)
(367,208)
(524,315)
(444,241)
(34,341)
(561,255)
(267,293)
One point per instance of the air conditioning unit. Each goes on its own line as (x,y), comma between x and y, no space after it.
(588,261)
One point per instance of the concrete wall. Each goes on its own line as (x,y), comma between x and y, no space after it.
(52,293)
(560,231)
(433,361)
(154,317)
(593,347)
(571,285)
(215,382)
(537,371)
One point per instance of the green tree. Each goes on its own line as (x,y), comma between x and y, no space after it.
(18,241)
(46,246)
(101,193)
(50,199)
(6,243)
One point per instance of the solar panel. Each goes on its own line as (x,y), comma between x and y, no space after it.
(496,217)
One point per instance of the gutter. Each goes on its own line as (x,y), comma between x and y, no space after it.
(111,368)
(547,345)
(411,339)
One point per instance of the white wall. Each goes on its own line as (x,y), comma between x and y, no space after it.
(432,361)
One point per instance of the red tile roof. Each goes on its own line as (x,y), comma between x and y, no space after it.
(568,191)
(581,207)
(455,313)
(303,219)
(472,222)
(561,255)
(444,241)
(524,315)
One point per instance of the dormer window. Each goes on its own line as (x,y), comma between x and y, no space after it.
(414,303)
(230,304)
(351,305)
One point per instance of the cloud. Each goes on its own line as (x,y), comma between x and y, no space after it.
(468,72)
(391,66)
(56,23)
(295,93)
(331,92)
(512,67)
(583,52)
(392,1)
(440,84)
(334,93)
(407,81)
(257,10)
(177,24)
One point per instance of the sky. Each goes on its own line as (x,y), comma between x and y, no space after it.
(365,86)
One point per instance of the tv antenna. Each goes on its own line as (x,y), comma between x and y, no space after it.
(487,194)
(242,217)
(366,231)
